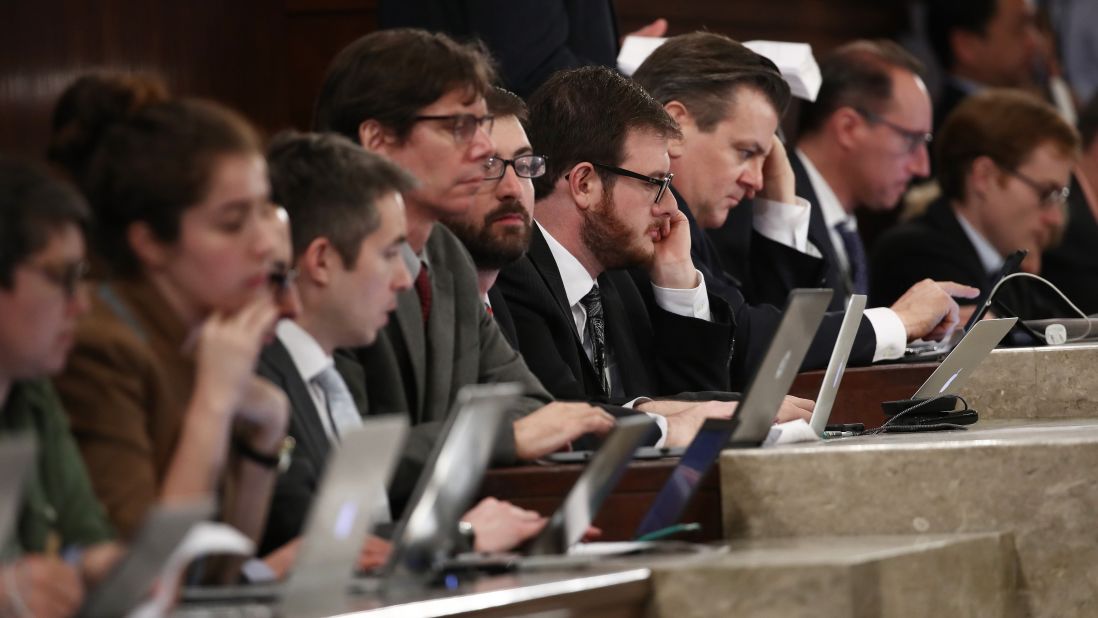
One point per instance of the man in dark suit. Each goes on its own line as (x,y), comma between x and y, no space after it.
(434,123)
(589,327)
(729,152)
(1073,264)
(1007,158)
(531,39)
(347,234)
(981,44)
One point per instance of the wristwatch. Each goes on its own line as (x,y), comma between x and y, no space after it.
(280,461)
(467,538)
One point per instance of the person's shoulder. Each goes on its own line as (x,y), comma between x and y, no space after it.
(445,250)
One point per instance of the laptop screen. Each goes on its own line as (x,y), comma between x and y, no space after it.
(683,482)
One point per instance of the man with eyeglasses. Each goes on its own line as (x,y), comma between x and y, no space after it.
(433,121)
(729,159)
(607,302)
(41,266)
(1006,162)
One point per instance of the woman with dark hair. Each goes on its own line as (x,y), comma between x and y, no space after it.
(160,389)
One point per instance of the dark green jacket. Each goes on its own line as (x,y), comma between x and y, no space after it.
(58,497)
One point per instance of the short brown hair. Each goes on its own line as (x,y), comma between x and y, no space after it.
(703,70)
(503,102)
(390,75)
(154,165)
(584,115)
(857,75)
(330,187)
(1005,125)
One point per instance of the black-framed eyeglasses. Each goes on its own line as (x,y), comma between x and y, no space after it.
(912,139)
(463,126)
(662,183)
(525,166)
(1050,197)
(281,277)
(67,276)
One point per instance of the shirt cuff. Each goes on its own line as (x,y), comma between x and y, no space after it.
(661,421)
(786,224)
(890,331)
(692,303)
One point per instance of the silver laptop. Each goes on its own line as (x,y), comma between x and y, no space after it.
(339,520)
(427,535)
(840,356)
(17,461)
(802,316)
(955,370)
(130,582)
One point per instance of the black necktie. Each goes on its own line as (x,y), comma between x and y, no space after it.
(855,256)
(596,331)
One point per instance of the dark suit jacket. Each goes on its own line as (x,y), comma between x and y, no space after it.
(503,316)
(935,246)
(1073,266)
(295,488)
(950,97)
(657,353)
(531,39)
(756,323)
(418,371)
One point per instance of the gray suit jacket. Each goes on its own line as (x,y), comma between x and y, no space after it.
(419,371)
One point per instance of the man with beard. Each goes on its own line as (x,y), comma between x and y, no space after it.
(587,327)
(496,230)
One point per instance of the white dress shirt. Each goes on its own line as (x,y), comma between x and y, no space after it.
(989,257)
(310,361)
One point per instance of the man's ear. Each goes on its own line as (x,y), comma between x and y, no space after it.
(685,120)
(983,175)
(846,125)
(373,136)
(585,185)
(316,265)
(146,246)
(965,47)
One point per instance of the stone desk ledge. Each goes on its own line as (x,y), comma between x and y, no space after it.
(881,576)
(1035,479)
(1036,383)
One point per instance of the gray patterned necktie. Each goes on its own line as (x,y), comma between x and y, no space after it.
(596,331)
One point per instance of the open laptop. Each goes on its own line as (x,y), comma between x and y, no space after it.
(130,581)
(840,356)
(934,350)
(427,534)
(338,522)
(973,348)
(768,387)
(17,461)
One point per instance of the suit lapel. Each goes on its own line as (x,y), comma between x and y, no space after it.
(820,236)
(409,319)
(440,339)
(277,365)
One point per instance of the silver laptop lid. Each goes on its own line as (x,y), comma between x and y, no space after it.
(568,524)
(840,356)
(955,370)
(426,535)
(17,460)
(763,397)
(130,581)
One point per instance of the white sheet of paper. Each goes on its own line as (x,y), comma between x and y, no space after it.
(790,433)
(794,60)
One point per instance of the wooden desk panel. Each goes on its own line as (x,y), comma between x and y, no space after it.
(542,488)
(864,388)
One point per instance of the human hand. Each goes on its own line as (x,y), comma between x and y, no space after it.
(928,310)
(552,426)
(794,408)
(671,266)
(500,526)
(657,28)
(41,586)
(263,415)
(779,183)
(226,354)
(683,426)
(664,407)
(375,553)
(97,561)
